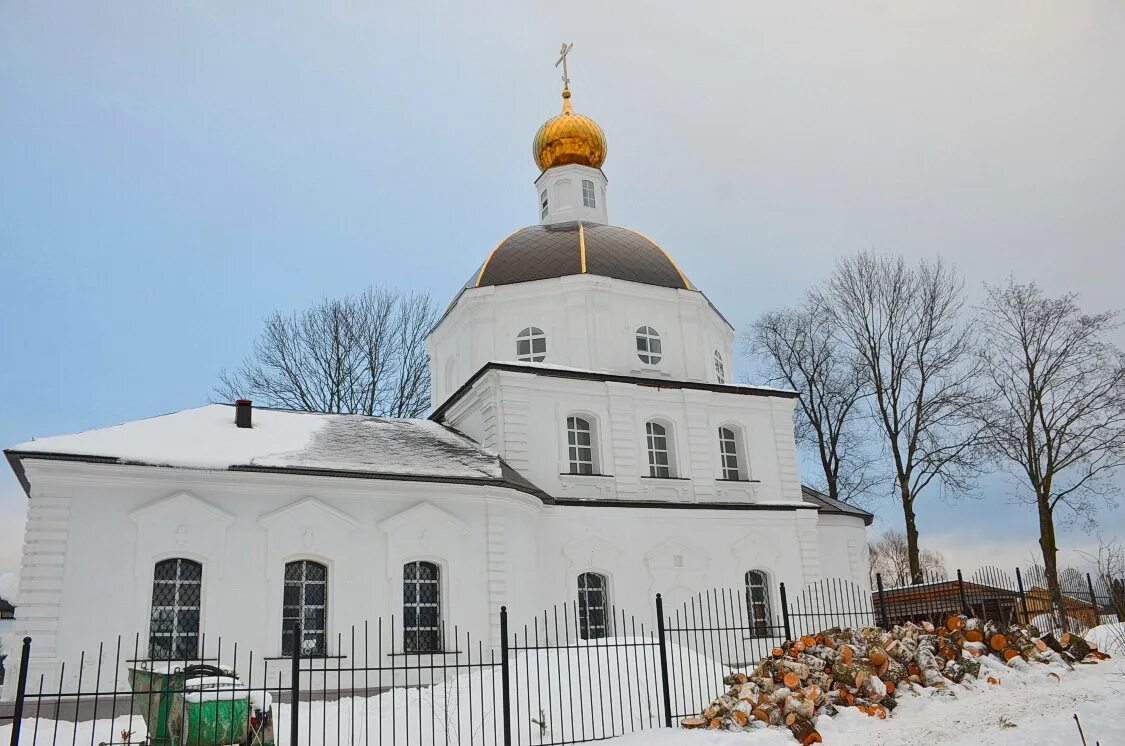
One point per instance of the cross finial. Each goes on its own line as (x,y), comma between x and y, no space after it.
(562,61)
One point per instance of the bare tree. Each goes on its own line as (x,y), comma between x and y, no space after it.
(798,348)
(889,556)
(360,354)
(1057,388)
(1109,569)
(905,326)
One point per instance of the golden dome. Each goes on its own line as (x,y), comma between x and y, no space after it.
(569,138)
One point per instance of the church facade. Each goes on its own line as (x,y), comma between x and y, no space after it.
(587,445)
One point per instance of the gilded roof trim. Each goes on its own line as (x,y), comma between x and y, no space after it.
(582,246)
(680,272)
(488,259)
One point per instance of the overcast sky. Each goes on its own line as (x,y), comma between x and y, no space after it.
(170,173)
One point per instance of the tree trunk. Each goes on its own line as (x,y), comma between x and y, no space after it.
(911,534)
(1050,559)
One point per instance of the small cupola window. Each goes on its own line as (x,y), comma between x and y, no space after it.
(720,369)
(648,345)
(543,204)
(588,198)
(531,345)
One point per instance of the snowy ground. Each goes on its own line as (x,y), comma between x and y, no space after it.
(1025,709)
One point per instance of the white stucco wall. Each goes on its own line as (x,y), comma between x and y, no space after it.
(590,323)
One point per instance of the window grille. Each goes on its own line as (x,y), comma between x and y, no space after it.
(421,607)
(177,586)
(659,463)
(580,443)
(593,605)
(758,603)
(531,345)
(728,453)
(648,345)
(305,602)
(588,193)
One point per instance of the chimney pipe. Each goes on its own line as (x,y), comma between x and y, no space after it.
(242,410)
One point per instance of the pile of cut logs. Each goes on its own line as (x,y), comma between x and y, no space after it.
(870,667)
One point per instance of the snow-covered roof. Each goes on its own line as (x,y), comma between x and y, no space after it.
(206,438)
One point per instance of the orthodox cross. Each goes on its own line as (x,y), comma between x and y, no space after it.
(562,61)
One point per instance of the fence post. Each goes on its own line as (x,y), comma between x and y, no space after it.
(785,612)
(663,661)
(882,601)
(1023,597)
(505,680)
(1094,601)
(961,591)
(295,685)
(21,689)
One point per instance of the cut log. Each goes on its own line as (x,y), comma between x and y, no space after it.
(768,713)
(1075,646)
(800,706)
(692,723)
(791,680)
(955,622)
(848,674)
(974,635)
(740,717)
(808,640)
(998,641)
(803,730)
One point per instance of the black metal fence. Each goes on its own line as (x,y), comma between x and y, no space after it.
(555,679)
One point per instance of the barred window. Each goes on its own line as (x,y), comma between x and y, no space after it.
(728,453)
(593,605)
(531,345)
(588,193)
(720,369)
(648,345)
(305,603)
(659,461)
(758,603)
(421,607)
(580,445)
(177,586)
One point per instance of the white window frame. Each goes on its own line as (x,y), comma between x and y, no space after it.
(593,597)
(531,335)
(657,443)
(543,204)
(176,608)
(720,368)
(589,196)
(304,583)
(417,628)
(758,603)
(582,458)
(730,460)
(650,350)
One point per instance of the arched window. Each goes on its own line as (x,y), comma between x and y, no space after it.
(531,345)
(758,603)
(173,631)
(720,369)
(580,445)
(659,451)
(593,605)
(588,193)
(728,453)
(421,607)
(305,603)
(543,204)
(648,345)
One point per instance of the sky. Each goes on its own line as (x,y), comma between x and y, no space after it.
(172,173)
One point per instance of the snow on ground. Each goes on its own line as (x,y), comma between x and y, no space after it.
(1110,638)
(1026,709)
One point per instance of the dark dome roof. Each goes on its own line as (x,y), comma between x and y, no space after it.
(539,252)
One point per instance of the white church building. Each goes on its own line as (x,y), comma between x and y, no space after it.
(588,444)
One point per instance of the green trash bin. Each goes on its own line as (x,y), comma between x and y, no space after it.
(198,706)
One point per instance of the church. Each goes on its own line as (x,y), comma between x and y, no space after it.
(588,444)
